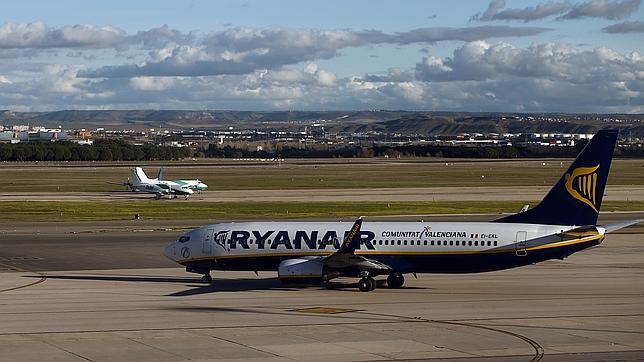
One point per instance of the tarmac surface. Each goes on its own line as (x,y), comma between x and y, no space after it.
(512,193)
(102,291)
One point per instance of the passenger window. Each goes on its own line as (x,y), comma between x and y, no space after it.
(494,243)
(469,243)
(451,242)
(476,243)
(399,242)
(489,243)
(405,242)
(425,243)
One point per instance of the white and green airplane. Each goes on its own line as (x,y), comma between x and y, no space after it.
(141,182)
(195,185)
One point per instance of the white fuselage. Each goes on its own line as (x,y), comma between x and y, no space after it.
(295,239)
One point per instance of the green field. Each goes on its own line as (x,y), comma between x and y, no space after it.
(13,211)
(311,174)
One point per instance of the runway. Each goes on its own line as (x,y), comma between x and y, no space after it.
(103,292)
(508,193)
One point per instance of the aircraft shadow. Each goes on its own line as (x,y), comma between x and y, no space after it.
(119,278)
(218,285)
(130,195)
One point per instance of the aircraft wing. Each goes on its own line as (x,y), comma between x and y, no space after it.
(620,225)
(345,257)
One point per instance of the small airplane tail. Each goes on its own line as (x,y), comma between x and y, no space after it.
(161,174)
(577,197)
(139,174)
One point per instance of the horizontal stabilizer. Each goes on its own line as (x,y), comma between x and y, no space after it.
(620,225)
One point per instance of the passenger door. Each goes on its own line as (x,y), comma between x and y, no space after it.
(520,245)
(207,242)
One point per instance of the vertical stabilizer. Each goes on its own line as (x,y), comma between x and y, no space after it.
(134,177)
(141,175)
(576,198)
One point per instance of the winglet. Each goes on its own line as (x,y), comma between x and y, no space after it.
(352,240)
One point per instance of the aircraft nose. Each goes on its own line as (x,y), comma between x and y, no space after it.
(170,251)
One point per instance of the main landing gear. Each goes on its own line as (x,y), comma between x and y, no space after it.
(395,280)
(206,278)
(367,283)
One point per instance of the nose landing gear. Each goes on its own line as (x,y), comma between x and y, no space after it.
(206,278)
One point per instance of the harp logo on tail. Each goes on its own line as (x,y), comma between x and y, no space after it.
(582,185)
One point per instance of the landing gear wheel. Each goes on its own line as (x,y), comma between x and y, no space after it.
(395,280)
(366,284)
(206,278)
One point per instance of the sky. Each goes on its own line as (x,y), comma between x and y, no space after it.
(502,55)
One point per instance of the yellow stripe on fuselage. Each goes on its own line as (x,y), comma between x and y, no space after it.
(565,243)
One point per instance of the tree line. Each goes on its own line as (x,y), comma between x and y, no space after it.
(116,150)
(356,151)
(100,150)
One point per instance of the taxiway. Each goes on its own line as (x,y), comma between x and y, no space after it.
(103,292)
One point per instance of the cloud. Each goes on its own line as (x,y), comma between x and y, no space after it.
(607,9)
(281,68)
(244,50)
(152,83)
(477,61)
(537,12)
(395,75)
(436,34)
(622,90)
(625,27)
(162,36)
(38,35)
(492,9)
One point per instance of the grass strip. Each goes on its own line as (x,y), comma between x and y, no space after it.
(12,211)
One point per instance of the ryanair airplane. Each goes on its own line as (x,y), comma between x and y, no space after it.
(316,252)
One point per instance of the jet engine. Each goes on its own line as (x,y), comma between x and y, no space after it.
(302,271)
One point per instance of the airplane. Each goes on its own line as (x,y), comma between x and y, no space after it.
(564,222)
(195,185)
(141,182)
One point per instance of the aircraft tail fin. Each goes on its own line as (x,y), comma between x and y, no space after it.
(140,175)
(134,177)
(161,173)
(576,198)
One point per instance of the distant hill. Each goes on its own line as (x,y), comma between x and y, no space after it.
(401,122)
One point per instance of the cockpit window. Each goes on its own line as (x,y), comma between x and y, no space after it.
(184,238)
